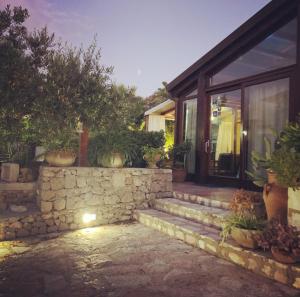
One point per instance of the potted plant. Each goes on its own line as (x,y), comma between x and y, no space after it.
(152,155)
(60,147)
(286,164)
(282,240)
(264,175)
(178,154)
(247,220)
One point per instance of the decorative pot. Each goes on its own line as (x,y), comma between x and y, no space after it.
(179,175)
(60,158)
(283,257)
(276,199)
(152,162)
(114,160)
(245,238)
(294,207)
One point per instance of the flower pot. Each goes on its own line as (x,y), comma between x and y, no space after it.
(283,257)
(114,160)
(245,238)
(294,207)
(60,158)
(179,175)
(276,199)
(152,161)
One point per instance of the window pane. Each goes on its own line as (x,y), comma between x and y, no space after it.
(268,112)
(276,51)
(190,122)
(225,134)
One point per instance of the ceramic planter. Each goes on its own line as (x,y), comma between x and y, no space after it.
(276,199)
(245,238)
(114,160)
(60,158)
(284,257)
(152,161)
(179,175)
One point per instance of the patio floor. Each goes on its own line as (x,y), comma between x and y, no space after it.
(215,193)
(123,261)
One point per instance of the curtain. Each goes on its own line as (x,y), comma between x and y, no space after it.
(268,111)
(190,132)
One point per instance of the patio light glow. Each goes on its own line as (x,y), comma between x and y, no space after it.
(88,217)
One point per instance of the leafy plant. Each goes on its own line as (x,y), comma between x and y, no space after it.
(243,202)
(243,222)
(150,153)
(285,238)
(178,153)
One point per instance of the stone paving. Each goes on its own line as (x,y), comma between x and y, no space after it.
(128,260)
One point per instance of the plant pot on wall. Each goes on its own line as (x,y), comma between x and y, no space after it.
(113,160)
(60,158)
(245,238)
(276,199)
(179,175)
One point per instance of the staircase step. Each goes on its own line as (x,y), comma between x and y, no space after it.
(201,200)
(208,239)
(200,213)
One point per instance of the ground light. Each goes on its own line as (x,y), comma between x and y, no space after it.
(88,217)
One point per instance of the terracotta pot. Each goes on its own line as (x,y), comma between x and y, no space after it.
(276,199)
(60,158)
(283,257)
(179,175)
(114,160)
(245,238)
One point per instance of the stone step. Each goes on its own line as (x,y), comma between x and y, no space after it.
(208,239)
(201,200)
(204,214)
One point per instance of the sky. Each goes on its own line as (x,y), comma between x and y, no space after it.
(146,41)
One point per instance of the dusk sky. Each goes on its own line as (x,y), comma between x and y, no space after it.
(147,42)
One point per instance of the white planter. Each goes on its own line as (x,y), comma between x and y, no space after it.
(39,153)
(294,208)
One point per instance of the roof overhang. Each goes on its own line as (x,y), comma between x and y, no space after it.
(161,108)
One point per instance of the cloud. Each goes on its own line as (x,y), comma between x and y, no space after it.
(68,25)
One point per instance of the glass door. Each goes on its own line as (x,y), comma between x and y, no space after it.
(224,144)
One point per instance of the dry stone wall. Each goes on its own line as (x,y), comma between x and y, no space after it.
(65,194)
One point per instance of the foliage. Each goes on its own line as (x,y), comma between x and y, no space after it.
(159,96)
(243,222)
(129,142)
(150,153)
(284,237)
(243,202)
(178,152)
(285,160)
(169,134)
(260,164)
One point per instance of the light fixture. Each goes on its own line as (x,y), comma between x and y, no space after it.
(88,217)
(245,132)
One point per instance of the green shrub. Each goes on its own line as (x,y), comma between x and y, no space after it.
(128,142)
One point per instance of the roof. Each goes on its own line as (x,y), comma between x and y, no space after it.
(161,108)
(271,9)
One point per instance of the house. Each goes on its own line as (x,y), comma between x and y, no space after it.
(229,100)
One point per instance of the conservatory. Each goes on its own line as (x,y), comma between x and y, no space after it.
(240,92)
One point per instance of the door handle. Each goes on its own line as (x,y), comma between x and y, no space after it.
(206,146)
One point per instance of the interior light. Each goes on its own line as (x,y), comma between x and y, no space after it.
(88,217)
(245,132)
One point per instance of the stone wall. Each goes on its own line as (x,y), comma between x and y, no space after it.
(16,193)
(112,194)
(65,194)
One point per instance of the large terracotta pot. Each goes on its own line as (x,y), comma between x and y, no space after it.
(179,175)
(245,238)
(60,158)
(114,160)
(276,199)
(284,257)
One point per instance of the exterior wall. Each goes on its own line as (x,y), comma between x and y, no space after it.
(156,122)
(65,194)
(16,193)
